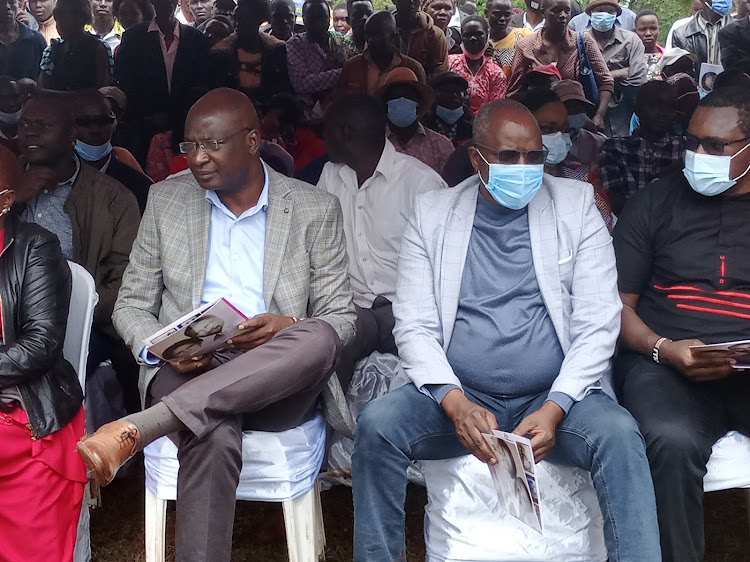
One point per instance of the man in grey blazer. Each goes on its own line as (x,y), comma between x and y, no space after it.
(272,246)
(507,316)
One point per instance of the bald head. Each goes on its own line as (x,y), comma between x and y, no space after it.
(227,105)
(222,142)
(500,118)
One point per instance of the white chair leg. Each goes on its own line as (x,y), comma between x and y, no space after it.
(156,528)
(303,528)
(320,532)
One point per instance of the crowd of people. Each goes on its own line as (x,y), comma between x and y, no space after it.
(539,211)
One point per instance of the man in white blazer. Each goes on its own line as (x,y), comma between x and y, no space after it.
(507,316)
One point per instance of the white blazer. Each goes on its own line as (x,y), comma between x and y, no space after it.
(574,261)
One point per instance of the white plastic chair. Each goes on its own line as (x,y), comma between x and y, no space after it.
(276,467)
(83,299)
(729,465)
(463,518)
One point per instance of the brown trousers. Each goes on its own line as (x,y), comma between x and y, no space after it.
(273,387)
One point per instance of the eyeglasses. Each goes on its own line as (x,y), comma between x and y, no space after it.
(712,146)
(514,156)
(208,145)
(93,120)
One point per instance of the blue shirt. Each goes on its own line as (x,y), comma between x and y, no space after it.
(503,341)
(236,248)
(236,252)
(47,209)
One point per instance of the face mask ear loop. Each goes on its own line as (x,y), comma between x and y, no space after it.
(743,174)
(484,183)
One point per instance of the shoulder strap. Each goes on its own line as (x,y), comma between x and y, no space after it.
(583,58)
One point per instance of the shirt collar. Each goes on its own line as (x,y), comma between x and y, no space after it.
(154,27)
(72,179)
(261,206)
(420,131)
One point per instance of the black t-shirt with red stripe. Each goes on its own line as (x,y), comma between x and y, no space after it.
(688,257)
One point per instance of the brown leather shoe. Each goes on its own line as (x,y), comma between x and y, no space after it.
(108,449)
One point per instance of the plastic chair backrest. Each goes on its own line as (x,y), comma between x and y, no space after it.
(83,299)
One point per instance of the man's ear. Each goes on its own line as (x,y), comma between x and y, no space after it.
(252,141)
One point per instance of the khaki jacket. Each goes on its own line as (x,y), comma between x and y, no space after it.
(105,219)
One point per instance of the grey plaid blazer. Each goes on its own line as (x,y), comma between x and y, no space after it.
(574,262)
(305,267)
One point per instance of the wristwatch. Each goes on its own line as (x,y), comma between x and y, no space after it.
(655,351)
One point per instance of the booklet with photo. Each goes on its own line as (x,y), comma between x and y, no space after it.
(514,477)
(739,349)
(205,329)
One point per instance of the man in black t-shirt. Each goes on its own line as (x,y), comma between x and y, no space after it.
(683,260)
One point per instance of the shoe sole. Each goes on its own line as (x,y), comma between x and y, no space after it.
(93,463)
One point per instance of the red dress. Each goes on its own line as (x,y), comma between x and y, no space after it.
(41,489)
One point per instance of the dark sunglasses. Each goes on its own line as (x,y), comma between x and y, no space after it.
(514,156)
(101,121)
(712,146)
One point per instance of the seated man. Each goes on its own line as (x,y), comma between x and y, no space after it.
(275,248)
(682,246)
(94,216)
(507,317)
(628,164)
(451,116)
(377,187)
(95,125)
(367,73)
(406,101)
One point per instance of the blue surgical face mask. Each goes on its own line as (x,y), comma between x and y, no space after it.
(402,112)
(578,121)
(721,7)
(92,153)
(709,175)
(558,144)
(450,116)
(603,21)
(10,118)
(513,185)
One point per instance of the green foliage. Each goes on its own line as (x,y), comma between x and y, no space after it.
(668,10)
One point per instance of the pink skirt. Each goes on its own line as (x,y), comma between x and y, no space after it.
(41,490)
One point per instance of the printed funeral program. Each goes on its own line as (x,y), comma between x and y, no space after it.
(202,331)
(514,477)
(740,351)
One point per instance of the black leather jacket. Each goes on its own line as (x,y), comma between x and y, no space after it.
(35,292)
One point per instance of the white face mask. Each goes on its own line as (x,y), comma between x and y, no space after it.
(558,144)
(10,118)
(708,174)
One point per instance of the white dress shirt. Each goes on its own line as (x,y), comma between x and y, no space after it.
(236,248)
(235,258)
(168,54)
(375,216)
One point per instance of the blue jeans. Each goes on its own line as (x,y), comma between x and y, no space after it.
(597,435)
